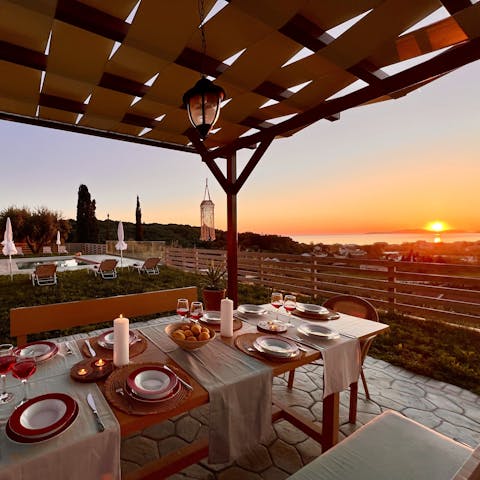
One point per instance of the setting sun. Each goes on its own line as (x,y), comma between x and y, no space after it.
(437,226)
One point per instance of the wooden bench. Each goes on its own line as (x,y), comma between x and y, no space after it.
(61,316)
(393,447)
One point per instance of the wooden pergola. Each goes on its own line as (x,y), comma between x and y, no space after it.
(119,69)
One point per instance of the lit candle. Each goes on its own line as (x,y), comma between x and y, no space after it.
(226,317)
(100,362)
(82,371)
(121,338)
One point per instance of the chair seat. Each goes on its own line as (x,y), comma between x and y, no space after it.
(390,447)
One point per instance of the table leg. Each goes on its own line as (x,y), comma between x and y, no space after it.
(352,416)
(330,421)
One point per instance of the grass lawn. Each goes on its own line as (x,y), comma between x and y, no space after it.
(439,351)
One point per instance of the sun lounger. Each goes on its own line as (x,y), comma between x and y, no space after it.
(107,269)
(62,249)
(45,274)
(47,250)
(393,447)
(150,266)
(19,250)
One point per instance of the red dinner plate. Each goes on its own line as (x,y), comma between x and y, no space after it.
(42,415)
(14,436)
(152,382)
(40,351)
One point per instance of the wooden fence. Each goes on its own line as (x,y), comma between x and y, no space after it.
(448,292)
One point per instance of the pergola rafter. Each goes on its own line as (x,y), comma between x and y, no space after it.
(103,69)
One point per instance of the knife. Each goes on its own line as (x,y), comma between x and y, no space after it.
(303,342)
(181,380)
(91,404)
(90,349)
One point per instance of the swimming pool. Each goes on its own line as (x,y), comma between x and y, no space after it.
(67,263)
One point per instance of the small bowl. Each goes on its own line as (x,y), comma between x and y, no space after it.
(188,345)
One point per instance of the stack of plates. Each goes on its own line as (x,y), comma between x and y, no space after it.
(276,347)
(310,308)
(252,309)
(152,384)
(211,317)
(275,326)
(41,418)
(106,339)
(318,331)
(39,351)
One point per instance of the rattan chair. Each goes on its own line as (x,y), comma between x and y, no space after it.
(361,308)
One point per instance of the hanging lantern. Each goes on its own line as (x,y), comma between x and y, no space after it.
(203,105)
(207,217)
(203,100)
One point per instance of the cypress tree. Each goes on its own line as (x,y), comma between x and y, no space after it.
(87,227)
(138,225)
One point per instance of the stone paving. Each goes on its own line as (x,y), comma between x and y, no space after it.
(445,408)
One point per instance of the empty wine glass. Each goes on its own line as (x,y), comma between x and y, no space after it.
(23,369)
(289,304)
(276,301)
(196,310)
(182,308)
(7,359)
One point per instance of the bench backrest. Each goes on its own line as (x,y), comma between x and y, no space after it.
(60,316)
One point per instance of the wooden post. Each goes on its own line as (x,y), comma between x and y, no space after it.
(232,234)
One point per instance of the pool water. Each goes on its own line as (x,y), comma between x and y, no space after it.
(67,264)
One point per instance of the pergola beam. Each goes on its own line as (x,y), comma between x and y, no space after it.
(453,58)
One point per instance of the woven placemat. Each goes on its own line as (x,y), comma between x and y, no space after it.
(245,341)
(316,316)
(107,353)
(237,325)
(127,404)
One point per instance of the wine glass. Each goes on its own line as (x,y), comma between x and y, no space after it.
(276,301)
(23,369)
(289,304)
(7,359)
(196,310)
(182,308)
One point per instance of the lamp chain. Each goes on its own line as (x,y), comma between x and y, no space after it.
(201,10)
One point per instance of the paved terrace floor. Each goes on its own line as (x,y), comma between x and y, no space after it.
(446,408)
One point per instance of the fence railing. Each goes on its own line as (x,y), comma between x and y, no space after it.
(86,248)
(428,290)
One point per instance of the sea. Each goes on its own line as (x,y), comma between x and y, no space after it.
(390,238)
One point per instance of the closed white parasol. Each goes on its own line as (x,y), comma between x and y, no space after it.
(121,245)
(8,244)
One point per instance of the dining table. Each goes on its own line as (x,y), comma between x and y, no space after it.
(217,374)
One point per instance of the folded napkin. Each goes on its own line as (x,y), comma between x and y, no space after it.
(341,364)
(240,391)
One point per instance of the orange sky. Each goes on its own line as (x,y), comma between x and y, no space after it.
(384,167)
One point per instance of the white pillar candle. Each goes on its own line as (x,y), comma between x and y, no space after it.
(226,317)
(121,339)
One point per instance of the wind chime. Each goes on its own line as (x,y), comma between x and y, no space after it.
(207,217)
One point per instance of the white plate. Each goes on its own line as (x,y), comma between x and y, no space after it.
(255,309)
(318,331)
(211,317)
(107,339)
(310,308)
(276,346)
(43,414)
